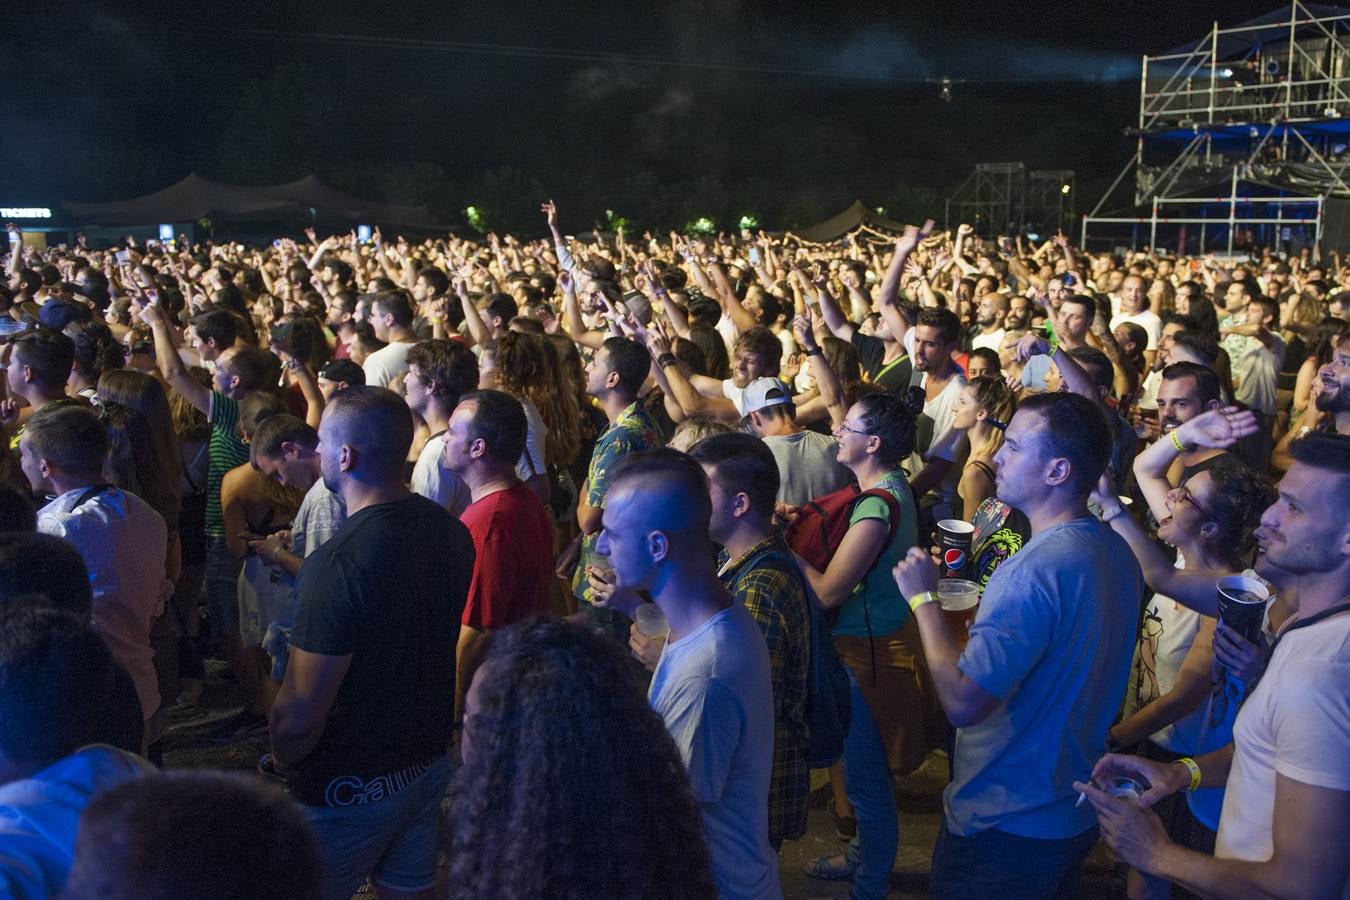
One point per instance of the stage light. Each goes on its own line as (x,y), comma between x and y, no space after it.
(1064,189)
(945,93)
(1226,73)
(748,222)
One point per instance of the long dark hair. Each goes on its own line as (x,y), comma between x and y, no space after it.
(144,454)
(571,788)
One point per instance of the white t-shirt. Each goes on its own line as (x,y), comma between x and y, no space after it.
(1146,320)
(1296,723)
(433,480)
(993,340)
(1257,373)
(124,543)
(713,690)
(387,364)
(1148,391)
(532,460)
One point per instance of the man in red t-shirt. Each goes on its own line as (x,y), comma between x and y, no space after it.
(512,532)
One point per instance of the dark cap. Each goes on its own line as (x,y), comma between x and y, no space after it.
(344,370)
(57,314)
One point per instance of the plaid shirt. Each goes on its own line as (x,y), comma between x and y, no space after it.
(772,591)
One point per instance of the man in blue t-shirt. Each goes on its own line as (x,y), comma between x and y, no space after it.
(1036,689)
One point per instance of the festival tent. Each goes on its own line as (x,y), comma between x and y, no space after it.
(308,200)
(849,222)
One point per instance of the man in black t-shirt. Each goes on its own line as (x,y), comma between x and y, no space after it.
(362,725)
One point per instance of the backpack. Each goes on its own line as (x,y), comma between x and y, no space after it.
(821,523)
(829,700)
(816,534)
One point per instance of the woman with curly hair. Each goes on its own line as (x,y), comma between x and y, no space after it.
(1173,707)
(96,352)
(571,787)
(527,367)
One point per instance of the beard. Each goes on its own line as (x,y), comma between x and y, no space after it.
(1336,402)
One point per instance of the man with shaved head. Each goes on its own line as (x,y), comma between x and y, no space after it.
(361,727)
(712,685)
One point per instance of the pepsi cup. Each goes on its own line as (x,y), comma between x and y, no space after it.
(954,537)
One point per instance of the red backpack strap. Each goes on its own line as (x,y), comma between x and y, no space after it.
(892,507)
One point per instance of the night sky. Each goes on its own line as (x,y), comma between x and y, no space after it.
(786,109)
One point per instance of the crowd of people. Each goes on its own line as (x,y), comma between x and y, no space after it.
(552,567)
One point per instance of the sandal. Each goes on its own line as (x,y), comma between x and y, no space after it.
(823,869)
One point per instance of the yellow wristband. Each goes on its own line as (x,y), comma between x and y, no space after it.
(920,599)
(1194,768)
(1176,441)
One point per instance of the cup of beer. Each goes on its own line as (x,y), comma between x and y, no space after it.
(954,538)
(1123,787)
(959,599)
(651,621)
(1242,605)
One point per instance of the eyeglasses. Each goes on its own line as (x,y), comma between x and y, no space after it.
(1185,496)
(844,426)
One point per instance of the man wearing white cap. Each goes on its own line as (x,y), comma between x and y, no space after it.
(806,459)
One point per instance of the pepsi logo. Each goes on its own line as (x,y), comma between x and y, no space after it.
(954,558)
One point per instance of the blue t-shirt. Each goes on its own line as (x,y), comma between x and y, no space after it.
(1052,641)
(885,609)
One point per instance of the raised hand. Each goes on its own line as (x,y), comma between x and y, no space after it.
(964,230)
(550,211)
(803,328)
(565,282)
(1030,345)
(915,573)
(1218,428)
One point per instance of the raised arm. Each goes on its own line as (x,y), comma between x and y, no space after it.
(827,382)
(834,318)
(169,362)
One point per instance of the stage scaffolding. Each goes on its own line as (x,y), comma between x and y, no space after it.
(1242,136)
(1004,198)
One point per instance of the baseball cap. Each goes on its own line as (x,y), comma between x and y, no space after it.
(344,370)
(57,314)
(763,393)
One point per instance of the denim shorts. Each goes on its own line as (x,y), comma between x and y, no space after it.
(393,841)
(222,589)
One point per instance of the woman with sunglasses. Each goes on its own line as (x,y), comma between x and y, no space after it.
(1173,708)
(874,635)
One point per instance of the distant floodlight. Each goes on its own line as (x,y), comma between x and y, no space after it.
(1033,236)
(748,222)
(1226,73)
(945,93)
(1064,188)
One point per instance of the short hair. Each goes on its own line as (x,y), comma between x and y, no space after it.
(502,306)
(1248,287)
(944,320)
(669,473)
(1329,452)
(437,280)
(57,677)
(1082,300)
(394,304)
(499,421)
(630,360)
(342,272)
(741,463)
(279,429)
(69,437)
(96,350)
(209,835)
(218,325)
(17,512)
(253,366)
(375,421)
(892,417)
(32,564)
(1270,305)
(449,365)
(1074,428)
(1206,380)
(1200,343)
(762,342)
(1096,363)
(50,354)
